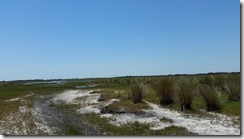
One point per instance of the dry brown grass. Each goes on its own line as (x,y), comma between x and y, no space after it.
(8,107)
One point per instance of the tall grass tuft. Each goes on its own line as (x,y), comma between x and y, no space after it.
(138,91)
(210,96)
(165,90)
(232,86)
(219,81)
(207,80)
(184,94)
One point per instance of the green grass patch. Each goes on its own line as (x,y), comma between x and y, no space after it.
(66,106)
(111,87)
(232,108)
(18,89)
(152,96)
(175,131)
(71,130)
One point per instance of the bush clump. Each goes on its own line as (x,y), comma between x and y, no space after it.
(233,85)
(210,96)
(138,91)
(165,90)
(184,94)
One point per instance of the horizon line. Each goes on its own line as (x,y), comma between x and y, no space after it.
(126,76)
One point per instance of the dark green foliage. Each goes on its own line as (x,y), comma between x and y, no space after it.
(165,90)
(210,96)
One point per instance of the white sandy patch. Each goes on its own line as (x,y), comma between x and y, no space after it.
(13,99)
(41,124)
(70,95)
(20,122)
(88,102)
(89,109)
(214,124)
(121,119)
(95,107)
(29,95)
(218,124)
(18,98)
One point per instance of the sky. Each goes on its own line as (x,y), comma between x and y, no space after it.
(53,39)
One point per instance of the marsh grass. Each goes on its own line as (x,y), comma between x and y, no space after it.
(138,91)
(165,90)
(207,80)
(232,86)
(210,96)
(184,94)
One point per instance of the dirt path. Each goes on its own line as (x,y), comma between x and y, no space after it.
(54,121)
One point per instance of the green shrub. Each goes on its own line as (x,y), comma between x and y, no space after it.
(184,94)
(138,91)
(232,86)
(210,96)
(207,80)
(219,81)
(165,90)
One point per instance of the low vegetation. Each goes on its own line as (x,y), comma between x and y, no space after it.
(165,90)
(184,94)
(213,92)
(210,96)
(71,130)
(233,88)
(138,91)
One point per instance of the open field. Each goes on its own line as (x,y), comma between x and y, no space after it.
(192,105)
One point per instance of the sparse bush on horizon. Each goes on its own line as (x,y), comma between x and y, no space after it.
(184,94)
(165,90)
(138,91)
(210,96)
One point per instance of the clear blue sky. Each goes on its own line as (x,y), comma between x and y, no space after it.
(105,38)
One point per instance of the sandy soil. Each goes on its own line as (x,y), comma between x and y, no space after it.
(42,118)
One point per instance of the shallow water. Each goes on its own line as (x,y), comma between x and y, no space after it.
(45,82)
